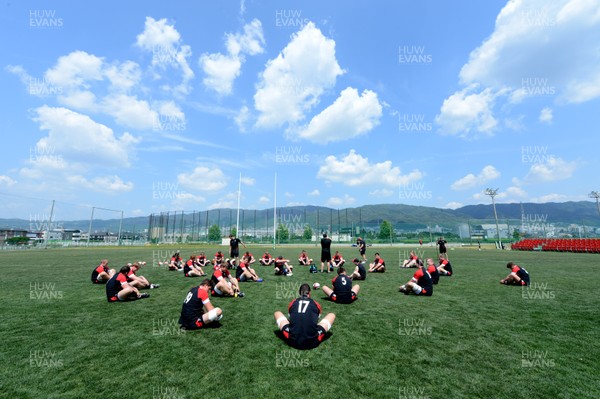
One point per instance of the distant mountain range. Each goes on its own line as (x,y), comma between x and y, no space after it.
(402,216)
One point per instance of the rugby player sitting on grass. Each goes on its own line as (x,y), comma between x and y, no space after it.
(101,274)
(419,284)
(359,270)
(119,290)
(337,260)
(197,311)
(304,330)
(244,272)
(444,267)
(517,276)
(343,291)
(304,260)
(139,282)
(412,261)
(267,259)
(282,267)
(224,284)
(378,265)
(191,270)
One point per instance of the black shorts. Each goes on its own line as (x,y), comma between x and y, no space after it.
(362,251)
(325,256)
(443,250)
(521,283)
(196,325)
(307,343)
(234,253)
(344,298)
(99,281)
(362,277)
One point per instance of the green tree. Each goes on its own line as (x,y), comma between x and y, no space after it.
(214,233)
(385,230)
(18,240)
(308,233)
(234,231)
(516,234)
(283,234)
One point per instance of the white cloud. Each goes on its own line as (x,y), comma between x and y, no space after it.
(77,136)
(6,181)
(288,195)
(129,111)
(203,179)
(488,173)
(292,83)
(123,76)
(157,34)
(164,42)
(534,50)
(314,193)
(553,170)
(550,198)
(221,204)
(340,201)
(453,205)
(354,170)
(241,118)
(264,200)
(466,112)
(349,116)
(512,193)
(76,69)
(295,203)
(104,184)
(183,200)
(248,181)
(546,115)
(222,69)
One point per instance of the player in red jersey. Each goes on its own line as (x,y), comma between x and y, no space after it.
(224,284)
(202,260)
(343,291)
(218,258)
(197,311)
(101,274)
(517,276)
(419,284)
(267,259)
(304,330)
(245,272)
(412,261)
(304,260)
(282,267)
(191,270)
(444,267)
(175,263)
(433,271)
(118,289)
(337,260)
(248,258)
(378,265)
(139,282)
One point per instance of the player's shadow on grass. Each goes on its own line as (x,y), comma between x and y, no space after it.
(216,324)
(279,334)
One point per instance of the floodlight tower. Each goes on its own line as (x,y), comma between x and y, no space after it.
(492,193)
(596,194)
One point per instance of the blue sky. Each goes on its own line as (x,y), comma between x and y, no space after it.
(154,106)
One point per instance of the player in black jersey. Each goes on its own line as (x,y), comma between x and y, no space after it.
(360,273)
(343,291)
(197,311)
(303,330)
(517,275)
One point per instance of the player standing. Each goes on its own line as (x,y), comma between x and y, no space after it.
(362,247)
(441,243)
(325,252)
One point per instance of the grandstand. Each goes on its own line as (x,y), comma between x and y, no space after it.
(589,245)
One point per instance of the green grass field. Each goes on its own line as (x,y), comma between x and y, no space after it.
(474,338)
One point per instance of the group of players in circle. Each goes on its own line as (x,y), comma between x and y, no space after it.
(303,329)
